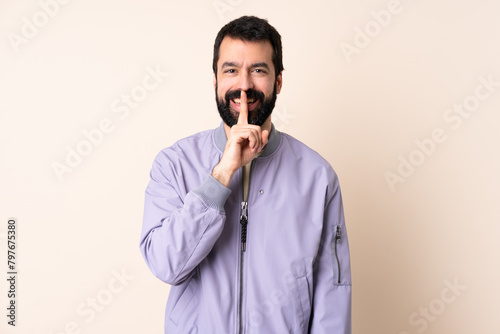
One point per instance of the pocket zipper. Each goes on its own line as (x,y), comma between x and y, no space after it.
(337,242)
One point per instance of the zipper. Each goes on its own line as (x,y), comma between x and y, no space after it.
(244,223)
(337,242)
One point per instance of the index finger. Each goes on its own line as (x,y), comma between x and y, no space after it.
(243,117)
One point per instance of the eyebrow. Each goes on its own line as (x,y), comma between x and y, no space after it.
(229,64)
(261,64)
(232,64)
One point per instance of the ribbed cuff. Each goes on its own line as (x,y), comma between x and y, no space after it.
(213,193)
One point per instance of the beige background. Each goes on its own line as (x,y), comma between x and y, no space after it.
(362,112)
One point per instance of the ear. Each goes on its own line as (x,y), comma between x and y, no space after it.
(215,80)
(279,83)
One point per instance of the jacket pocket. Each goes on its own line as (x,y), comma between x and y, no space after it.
(186,301)
(302,298)
(336,242)
(340,256)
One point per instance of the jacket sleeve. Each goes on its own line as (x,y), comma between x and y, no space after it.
(178,232)
(331,309)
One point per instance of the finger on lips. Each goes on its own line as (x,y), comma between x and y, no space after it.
(243,117)
(252,133)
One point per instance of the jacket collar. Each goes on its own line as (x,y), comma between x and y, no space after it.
(272,144)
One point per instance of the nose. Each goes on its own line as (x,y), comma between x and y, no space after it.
(244,81)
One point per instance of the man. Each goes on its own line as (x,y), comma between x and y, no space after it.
(246,223)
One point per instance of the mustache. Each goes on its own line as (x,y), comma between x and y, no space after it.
(251,94)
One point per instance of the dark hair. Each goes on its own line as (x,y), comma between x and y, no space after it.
(252,29)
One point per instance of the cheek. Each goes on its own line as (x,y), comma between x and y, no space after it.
(220,92)
(222,88)
(266,86)
(269,91)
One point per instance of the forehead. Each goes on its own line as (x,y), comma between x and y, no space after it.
(245,52)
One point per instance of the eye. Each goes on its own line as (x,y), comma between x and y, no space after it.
(260,71)
(230,71)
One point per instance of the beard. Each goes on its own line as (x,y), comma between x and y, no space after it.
(256,117)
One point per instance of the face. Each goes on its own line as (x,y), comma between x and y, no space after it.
(247,66)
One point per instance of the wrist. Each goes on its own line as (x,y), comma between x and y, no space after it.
(223,175)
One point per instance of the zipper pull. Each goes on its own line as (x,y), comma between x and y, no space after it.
(337,235)
(244,222)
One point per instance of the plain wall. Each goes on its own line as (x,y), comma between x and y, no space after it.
(376,87)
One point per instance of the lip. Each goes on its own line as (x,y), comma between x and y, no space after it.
(251,106)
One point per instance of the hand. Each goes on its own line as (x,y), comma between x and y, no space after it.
(245,142)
